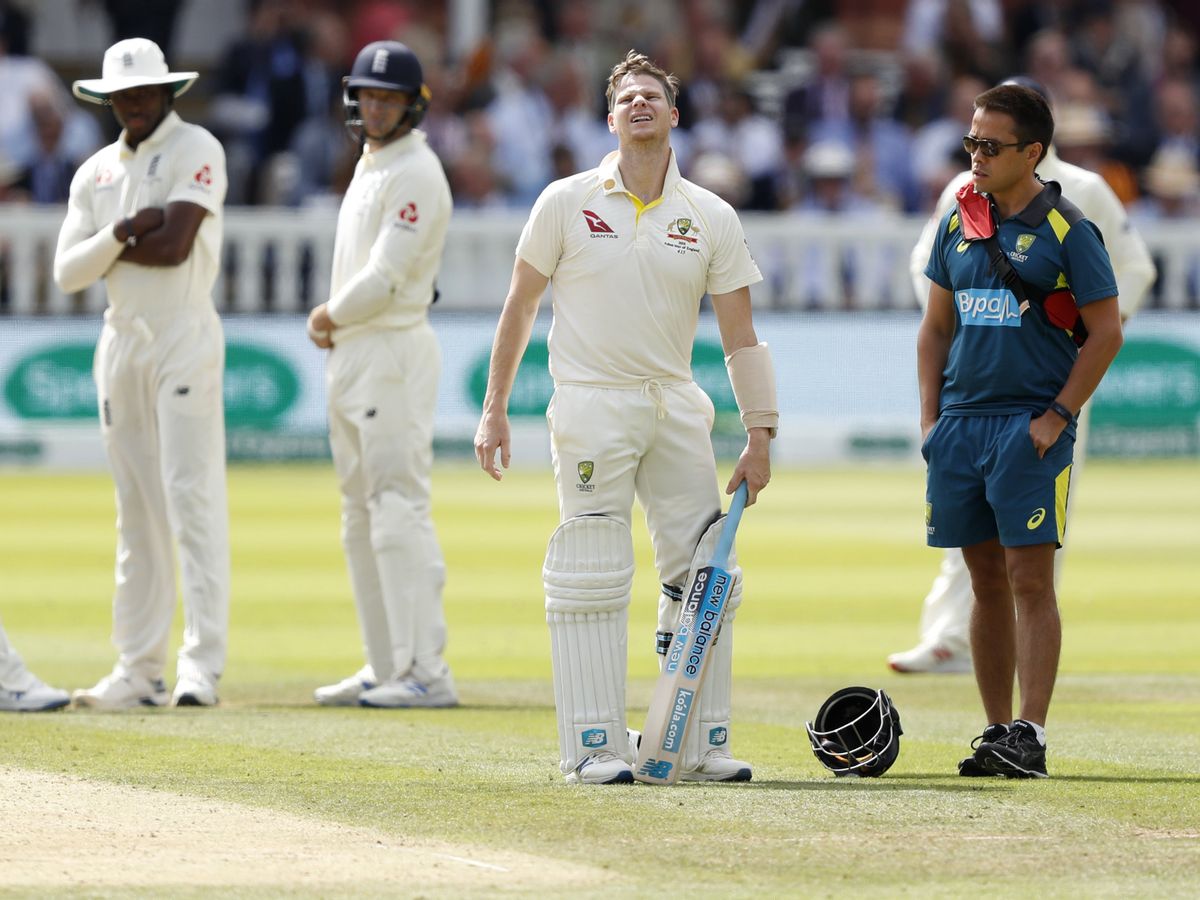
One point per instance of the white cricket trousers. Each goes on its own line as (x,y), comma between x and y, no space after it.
(651,439)
(382,394)
(158,383)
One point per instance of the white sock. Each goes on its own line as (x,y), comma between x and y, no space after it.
(1038,730)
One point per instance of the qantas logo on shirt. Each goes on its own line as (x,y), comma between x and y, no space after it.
(597,226)
(408,213)
(993,307)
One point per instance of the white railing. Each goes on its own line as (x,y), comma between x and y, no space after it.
(278,260)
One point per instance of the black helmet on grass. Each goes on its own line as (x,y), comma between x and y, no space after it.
(856,732)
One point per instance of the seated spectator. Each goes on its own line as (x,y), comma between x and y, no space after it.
(825,96)
(875,137)
(1082,136)
(751,138)
(857,276)
(937,146)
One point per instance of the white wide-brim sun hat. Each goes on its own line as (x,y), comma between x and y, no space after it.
(133,62)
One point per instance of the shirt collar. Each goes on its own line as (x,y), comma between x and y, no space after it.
(392,149)
(170,122)
(1039,207)
(610,175)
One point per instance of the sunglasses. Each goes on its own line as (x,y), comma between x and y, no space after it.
(989,148)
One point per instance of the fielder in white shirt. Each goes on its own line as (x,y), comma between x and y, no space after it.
(944,645)
(382,379)
(631,248)
(145,215)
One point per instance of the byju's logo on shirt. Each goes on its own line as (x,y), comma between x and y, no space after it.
(597,226)
(995,306)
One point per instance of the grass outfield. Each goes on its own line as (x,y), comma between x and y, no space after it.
(836,570)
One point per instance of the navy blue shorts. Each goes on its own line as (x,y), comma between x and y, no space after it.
(985,480)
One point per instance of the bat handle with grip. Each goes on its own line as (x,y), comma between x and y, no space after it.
(729,529)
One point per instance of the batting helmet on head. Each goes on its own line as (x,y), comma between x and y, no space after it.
(856,732)
(390,66)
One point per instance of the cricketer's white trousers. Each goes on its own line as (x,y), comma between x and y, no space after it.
(382,389)
(159,387)
(651,440)
(946,613)
(13,674)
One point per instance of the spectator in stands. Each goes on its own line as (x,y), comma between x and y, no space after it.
(1047,60)
(1177,118)
(262,95)
(969,32)
(1082,135)
(520,115)
(924,95)
(20,78)
(751,138)
(47,177)
(825,97)
(881,143)
(574,124)
(831,278)
(1172,182)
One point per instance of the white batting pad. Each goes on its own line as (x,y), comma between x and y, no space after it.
(588,576)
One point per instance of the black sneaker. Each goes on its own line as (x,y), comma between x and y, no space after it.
(970,767)
(1016,754)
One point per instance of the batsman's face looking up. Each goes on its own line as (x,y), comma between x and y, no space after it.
(641,110)
(381,110)
(139,110)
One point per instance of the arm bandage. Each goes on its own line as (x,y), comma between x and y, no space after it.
(753,380)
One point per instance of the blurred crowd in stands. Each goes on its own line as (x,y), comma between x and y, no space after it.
(822,106)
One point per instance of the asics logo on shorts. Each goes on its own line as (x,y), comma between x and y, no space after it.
(990,306)
(1039,516)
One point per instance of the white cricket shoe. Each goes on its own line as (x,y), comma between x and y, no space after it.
(123,690)
(601,767)
(405,691)
(38,697)
(347,691)
(933,659)
(718,765)
(193,690)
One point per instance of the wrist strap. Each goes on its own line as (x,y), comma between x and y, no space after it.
(1060,410)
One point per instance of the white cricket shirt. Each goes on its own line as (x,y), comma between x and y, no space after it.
(628,278)
(390,233)
(179,161)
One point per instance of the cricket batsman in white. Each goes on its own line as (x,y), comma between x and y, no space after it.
(382,378)
(145,215)
(631,248)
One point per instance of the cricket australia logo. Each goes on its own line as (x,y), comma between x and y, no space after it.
(929,518)
(585,469)
(681,233)
(1025,241)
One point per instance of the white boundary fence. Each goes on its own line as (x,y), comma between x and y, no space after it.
(277,260)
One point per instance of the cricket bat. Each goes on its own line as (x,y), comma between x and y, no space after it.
(678,686)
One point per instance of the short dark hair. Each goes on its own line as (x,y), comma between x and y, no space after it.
(1032,119)
(636,63)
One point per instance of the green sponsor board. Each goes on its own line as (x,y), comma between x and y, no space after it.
(533,385)
(1149,401)
(56,383)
